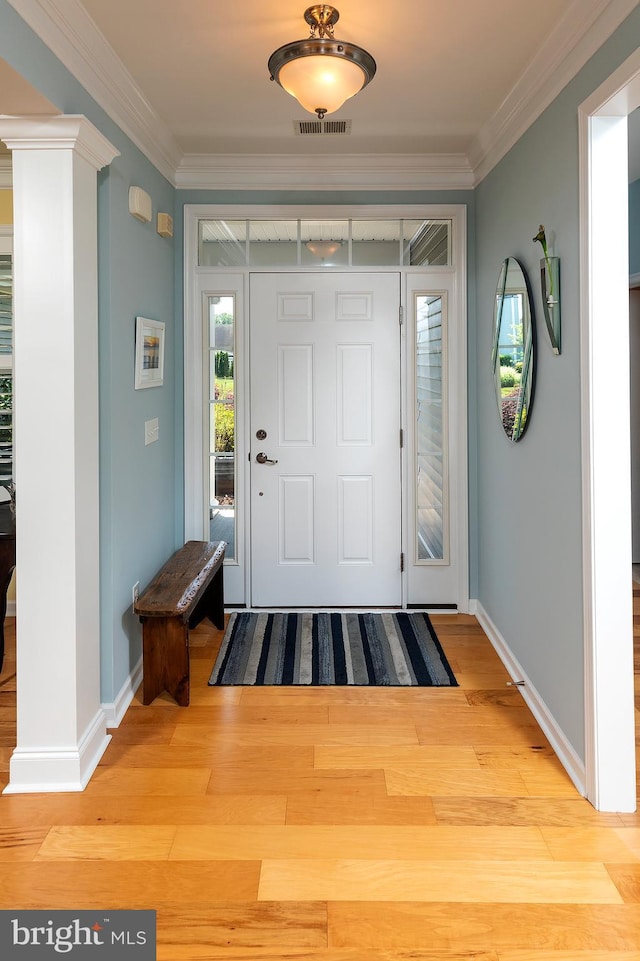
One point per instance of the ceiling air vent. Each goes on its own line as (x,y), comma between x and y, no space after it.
(312,128)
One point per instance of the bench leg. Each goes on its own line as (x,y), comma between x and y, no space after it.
(165,654)
(211,604)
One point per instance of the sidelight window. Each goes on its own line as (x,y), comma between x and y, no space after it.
(430,472)
(222,413)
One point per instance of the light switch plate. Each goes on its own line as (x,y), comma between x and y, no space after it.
(150,431)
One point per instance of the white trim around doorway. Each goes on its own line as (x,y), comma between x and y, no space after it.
(194,279)
(607,588)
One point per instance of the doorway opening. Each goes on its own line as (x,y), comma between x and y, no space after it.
(338,261)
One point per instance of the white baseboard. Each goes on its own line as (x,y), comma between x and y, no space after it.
(116,710)
(567,756)
(58,769)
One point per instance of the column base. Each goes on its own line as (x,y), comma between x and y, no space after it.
(58,769)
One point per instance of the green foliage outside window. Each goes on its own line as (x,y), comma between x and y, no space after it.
(223,364)
(225,429)
(509,377)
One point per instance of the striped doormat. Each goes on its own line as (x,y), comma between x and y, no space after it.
(388,649)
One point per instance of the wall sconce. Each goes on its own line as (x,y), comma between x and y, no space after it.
(140,204)
(550,287)
(321,72)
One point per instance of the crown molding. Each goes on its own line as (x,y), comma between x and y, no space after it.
(576,37)
(70,33)
(336,172)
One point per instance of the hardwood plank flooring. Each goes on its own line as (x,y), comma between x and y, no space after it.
(342,879)
(335,824)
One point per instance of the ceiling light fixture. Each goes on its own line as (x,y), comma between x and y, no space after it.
(321,72)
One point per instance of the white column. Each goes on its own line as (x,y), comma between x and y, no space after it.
(61,726)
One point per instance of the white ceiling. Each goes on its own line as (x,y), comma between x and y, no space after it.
(443,68)
(456,83)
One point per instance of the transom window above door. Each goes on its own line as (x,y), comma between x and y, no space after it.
(324,243)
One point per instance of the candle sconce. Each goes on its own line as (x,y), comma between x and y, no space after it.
(550,281)
(550,286)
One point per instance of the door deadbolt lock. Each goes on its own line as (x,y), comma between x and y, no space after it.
(263,459)
(261,434)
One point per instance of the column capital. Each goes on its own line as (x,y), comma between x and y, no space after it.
(62,132)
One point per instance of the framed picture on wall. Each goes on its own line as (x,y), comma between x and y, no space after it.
(149,353)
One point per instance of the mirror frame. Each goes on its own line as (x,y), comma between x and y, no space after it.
(522,413)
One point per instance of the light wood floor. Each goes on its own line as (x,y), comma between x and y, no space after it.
(334,825)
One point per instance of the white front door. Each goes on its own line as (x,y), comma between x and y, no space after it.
(325,440)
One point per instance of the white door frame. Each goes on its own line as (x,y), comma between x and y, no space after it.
(604,283)
(193,383)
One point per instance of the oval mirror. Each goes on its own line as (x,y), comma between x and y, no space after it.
(512,356)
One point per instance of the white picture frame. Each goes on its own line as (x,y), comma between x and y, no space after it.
(149,367)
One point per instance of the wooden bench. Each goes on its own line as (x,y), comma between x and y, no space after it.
(187,589)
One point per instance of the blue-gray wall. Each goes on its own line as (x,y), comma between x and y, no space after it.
(634,227)
(136,277)
(529,494)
